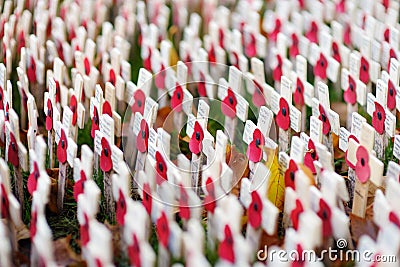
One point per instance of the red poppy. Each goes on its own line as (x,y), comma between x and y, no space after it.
(228,105)
(138,104)
(298,95)
(5,204)
(62,148)
(386,35)
(221,37)
(31,71)
(1,98)
(321,67)
(73,105)
(121,208)
(201,87)
(33,179)
(283,116)
(211,55)
(32,227)
(112,78)
(350,95)
(392,54)
(290,174)
(325,214)
(79,186)
(58,93)
(184,209)
(294,48)
(226,247)
(177,98)
(84,229)
(251,50)
(385,3)
(209,200)
(49,115)
(394,219)
(134,252)
(362,166)
(347,35)
(258,96)
(86,63)
(311,156)
(378,118)
(351,165)
(234,58)
(106,163)
(147,198)
(336,52)
(196,141)
(21,41)
(95,122)
(255,210)
(162,228)
(161,168)
(147,61)
(277,72)
(13,151)
(299,260)
(274,34)
(25,100)
(301,3)
(107,108)
(295,214)
(255,148)
(312,34)
(364,70)
(323,116)
(340,6)
(391,97)
(159,77)
(143,137)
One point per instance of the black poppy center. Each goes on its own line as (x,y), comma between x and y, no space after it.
(160,166)
(299,89)
(146,196)
(95,120)
(49,112)
(351,87)
(36,175)
(364,68)
(322,63)
(255,207)
(292,176)
(197,136)
(143,134)
(122,203)
(391,91)
(284,111)
(139,103)
(324,215)
(258,142)
(379,115)
(323,117)
(313,155)
(179,95)
(231,100)
(63,144)
(106,152)
(363,162)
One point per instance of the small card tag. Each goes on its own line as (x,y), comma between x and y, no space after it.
(315,129)
(343,138)
(297,149)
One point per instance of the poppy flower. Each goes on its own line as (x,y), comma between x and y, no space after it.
(351,165)
(295,214)
(274,34)
(188,63)
(277,72)
(138,104)
(211,55)
(177,98)
(323,116)
(336,52)
(394,219)
(162,228)
(283,116)
(364,70)
(31,71)
(386,35)
(391,96)
(385,3)
(294,48)
(340,6)
(392,54)
(73,105)
(62,148)
(234,58)
(33,179)
(143,137)
(226,247)
(209,200)
(79,186)
(159,78)
(49,116)
(121,209)
(161,168)
(228,105)
(311,156)
(147,198)
(325,214)
(111,77)
(60,49)
(312,34)
(13,151)
(21,41)
(378,118)
(106,163)
(362,166)
(251,50)
(298,95)
(86,63)
(347,35)
(258,96)
(301,3)
(290,174)
(134,252)
(255,148)
(32,227)
(5,204)
(84,229)
(58,92)
(196,141)
(1,98)
(25,100)
(255,210)
(107,108)
(350,95)
(299,260)
(201,86)
(184,210)
(221,36)
(321,67)
(95,122)
(147,61)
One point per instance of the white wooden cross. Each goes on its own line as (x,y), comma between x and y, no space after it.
(255,82)
(121,189)
(23,86)
(254,42)
(37,158)
(75,110)
(280,64)
(236,56)
(83,170)
(149,44)
(99,248)
(201,75)
(52,116)
(233,104)
(216,52)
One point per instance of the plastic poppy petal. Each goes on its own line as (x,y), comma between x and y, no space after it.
(33,179)
(323,116)
(160,78)
(228,105)
(364,70)
(142,137)
(138,105)
(283,116)
(62,147)
(298,95)
(290,174)
(258,96)
(255,210)
(350,95)
(362,166)
(378,118)
(177,99)
(49,116)
(161,168)
(251,50)
(277,72)
(147,198)
(163,231)
(107,108)
(121,209)
(226,248)
(321,67)
(105,158)
(391,96)
(74,108)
